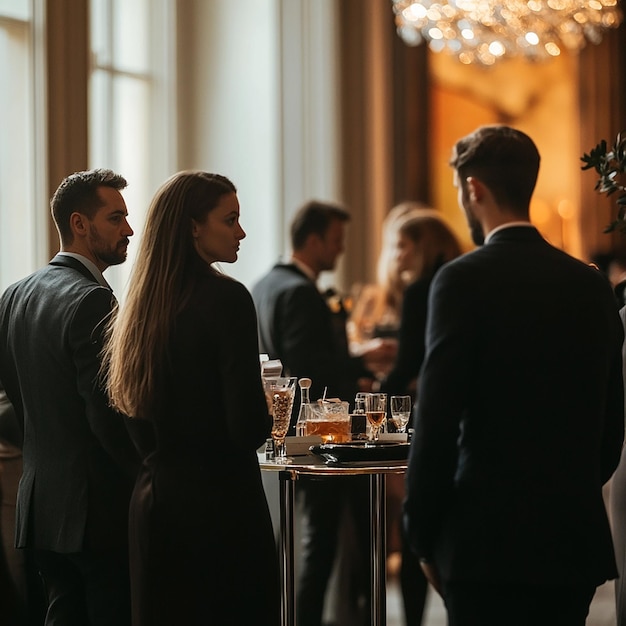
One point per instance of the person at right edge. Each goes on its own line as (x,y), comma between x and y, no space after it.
(617,502)
(520,419)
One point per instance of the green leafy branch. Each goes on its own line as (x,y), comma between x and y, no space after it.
(610,166)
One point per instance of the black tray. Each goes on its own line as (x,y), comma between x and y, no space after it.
(362,451)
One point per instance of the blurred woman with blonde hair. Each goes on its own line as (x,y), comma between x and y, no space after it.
(377,306)
(424,242)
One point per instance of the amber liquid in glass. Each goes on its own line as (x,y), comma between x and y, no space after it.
(375,418)
(331,431)
(282,401)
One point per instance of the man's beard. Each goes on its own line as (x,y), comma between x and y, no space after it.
(108,254)
(476,230)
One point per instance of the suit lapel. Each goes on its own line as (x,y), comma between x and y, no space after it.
(61,260)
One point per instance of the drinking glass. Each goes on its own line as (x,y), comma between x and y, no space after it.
(400,407)
(376,411)
(279,394)
(329,420)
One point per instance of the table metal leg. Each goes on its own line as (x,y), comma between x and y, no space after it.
(287,503)
(379,550)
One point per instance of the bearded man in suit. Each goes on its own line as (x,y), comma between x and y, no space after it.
(297,326)
(295,322)
(520,418)
(79,463)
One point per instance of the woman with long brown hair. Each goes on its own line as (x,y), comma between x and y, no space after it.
(183,356)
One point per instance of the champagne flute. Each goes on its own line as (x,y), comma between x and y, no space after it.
(400,407)
(279,394)
(376,411)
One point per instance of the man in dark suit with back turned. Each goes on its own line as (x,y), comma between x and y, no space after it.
(520,416)
(297,327)
(79,462)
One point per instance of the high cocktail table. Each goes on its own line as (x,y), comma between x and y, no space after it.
(311,465)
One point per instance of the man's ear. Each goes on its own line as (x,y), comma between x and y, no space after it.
(313,241)
(475,189)
(79,224)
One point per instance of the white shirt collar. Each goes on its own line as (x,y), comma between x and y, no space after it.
(304,268)
(491,233)
(90,265)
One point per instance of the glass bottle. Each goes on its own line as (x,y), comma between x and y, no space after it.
(358,419)
(305,385)
(359,402)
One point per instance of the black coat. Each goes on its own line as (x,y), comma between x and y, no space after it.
(202,545)
(411,339)
(520,419)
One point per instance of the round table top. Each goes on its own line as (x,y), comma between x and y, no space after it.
(311,464)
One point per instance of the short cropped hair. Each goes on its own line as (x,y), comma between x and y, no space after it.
(314,217)
(504,159)
(78,193)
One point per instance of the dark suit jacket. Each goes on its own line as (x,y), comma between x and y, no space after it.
(79,463)
(10,432)
(296,326)
(520,418)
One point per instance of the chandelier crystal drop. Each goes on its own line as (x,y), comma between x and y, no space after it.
(483,31)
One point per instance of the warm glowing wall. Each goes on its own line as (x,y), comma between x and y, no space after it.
(539,99)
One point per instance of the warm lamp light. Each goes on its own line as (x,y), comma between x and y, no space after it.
(565,209)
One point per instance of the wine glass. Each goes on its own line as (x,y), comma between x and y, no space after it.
(400,407)
(279,394)
(376,411)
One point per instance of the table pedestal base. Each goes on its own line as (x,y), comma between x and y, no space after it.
(288,474)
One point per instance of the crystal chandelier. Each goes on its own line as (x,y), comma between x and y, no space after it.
(482,31)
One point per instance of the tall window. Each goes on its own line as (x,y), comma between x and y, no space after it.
(132,103)
(23,217)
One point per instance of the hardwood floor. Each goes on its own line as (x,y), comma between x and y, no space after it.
(601,612)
